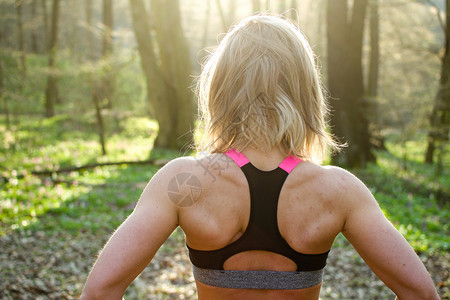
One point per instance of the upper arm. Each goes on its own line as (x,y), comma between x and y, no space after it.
(382,247)
(136,241)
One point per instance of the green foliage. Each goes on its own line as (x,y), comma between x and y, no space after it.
(98,200)
(411,196)
(70,139)
(26,95)
(75,200)
(410,63)
(24,200)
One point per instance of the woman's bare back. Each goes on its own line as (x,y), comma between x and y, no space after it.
(308,219)
(316,203)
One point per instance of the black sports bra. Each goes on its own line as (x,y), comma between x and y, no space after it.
(262,232)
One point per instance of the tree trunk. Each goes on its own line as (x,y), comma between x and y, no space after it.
(45,19)
(100,123)
(74,36)
(2,94)
(34,43)
(107,83)
(372,86)
(377,140)
(22,55)
(359,106)
(89,29)
(52,89)
(337,67)
(156,90)
(167,79)
(440,116)
(95,91)
(345,81)
(176,70)
(430,148)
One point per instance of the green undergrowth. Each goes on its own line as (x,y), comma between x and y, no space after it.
(412,195)
(90,199)
(97,200)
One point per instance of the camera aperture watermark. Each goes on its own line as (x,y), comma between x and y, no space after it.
(184,189)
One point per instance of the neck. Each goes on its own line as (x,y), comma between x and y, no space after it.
(264,160)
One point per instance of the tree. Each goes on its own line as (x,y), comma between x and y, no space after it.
(45,22)
(168,73)
(372,85)
(440,115)
(374,65)
(96,93)
(2,92)
(176,69)
(51,92)
(107,53)
(22,65)
(34,38)
(345,81)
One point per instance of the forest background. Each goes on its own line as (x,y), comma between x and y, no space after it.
(95,96)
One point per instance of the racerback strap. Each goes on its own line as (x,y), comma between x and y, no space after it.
(288,164)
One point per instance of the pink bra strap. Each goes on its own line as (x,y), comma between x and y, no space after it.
(238,157)
(289,163)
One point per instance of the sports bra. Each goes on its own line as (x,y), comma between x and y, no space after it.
(262,233)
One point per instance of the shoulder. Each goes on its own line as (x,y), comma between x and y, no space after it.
(344,180)
(170,169)
(185,180)
(178,164)
(329,176)
(333,183)
(205,163)
(198,170)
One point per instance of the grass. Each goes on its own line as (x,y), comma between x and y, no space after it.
(98,200)
(413,199)
(86,199)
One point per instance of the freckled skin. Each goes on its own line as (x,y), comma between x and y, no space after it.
(335,202)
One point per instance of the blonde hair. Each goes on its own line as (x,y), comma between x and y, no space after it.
(260,87)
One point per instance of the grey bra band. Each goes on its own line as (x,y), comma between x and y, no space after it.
(273,280)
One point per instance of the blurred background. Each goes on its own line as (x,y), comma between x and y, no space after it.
(95,96)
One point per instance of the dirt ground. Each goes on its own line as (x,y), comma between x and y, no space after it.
(43,266)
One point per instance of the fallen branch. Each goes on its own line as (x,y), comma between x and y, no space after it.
(155,162)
